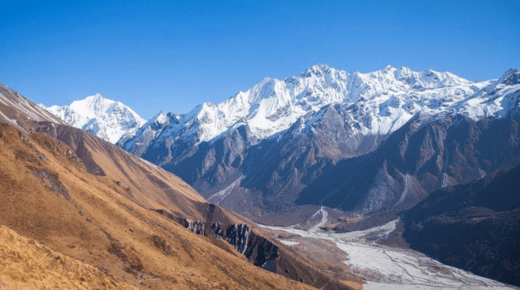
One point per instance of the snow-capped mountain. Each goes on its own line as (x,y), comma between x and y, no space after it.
(390,97)
(305,139)
(105,118)
(137,141)
(380,102)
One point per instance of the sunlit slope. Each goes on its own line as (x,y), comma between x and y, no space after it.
(26,264)
(146,184)
(19,111)
(48,195)
(120,189)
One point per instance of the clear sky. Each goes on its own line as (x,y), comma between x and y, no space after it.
(173,55)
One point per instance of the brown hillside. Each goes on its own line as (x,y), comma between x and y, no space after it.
(48,195)
(19,111)
(109,179)
(25,264)
(91,200)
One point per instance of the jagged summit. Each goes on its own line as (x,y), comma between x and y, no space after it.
(103,117)
(94,98)
(317,70)
(389,97)
(510,77)
(138,138)
(274,105)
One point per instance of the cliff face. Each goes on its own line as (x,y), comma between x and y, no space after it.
(258,249)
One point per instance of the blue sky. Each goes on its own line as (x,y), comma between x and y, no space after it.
(173,55)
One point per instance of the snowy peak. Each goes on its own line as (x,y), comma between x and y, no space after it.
(404,79)
(96,106)
(91,104)
(290,126)
(103,117)
(273,105)
(160,119)
(390,77)
(318,70)
(510,77)
(496,99)
(137,140)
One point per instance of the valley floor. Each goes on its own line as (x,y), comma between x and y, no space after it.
(385,267)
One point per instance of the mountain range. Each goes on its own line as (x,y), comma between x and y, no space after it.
(357,148)
(297,142)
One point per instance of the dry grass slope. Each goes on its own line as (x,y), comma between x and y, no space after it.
(25,264)
(94,202)
(47,195)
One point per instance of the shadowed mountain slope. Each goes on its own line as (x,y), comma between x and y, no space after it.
(362,143)
(475,226)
